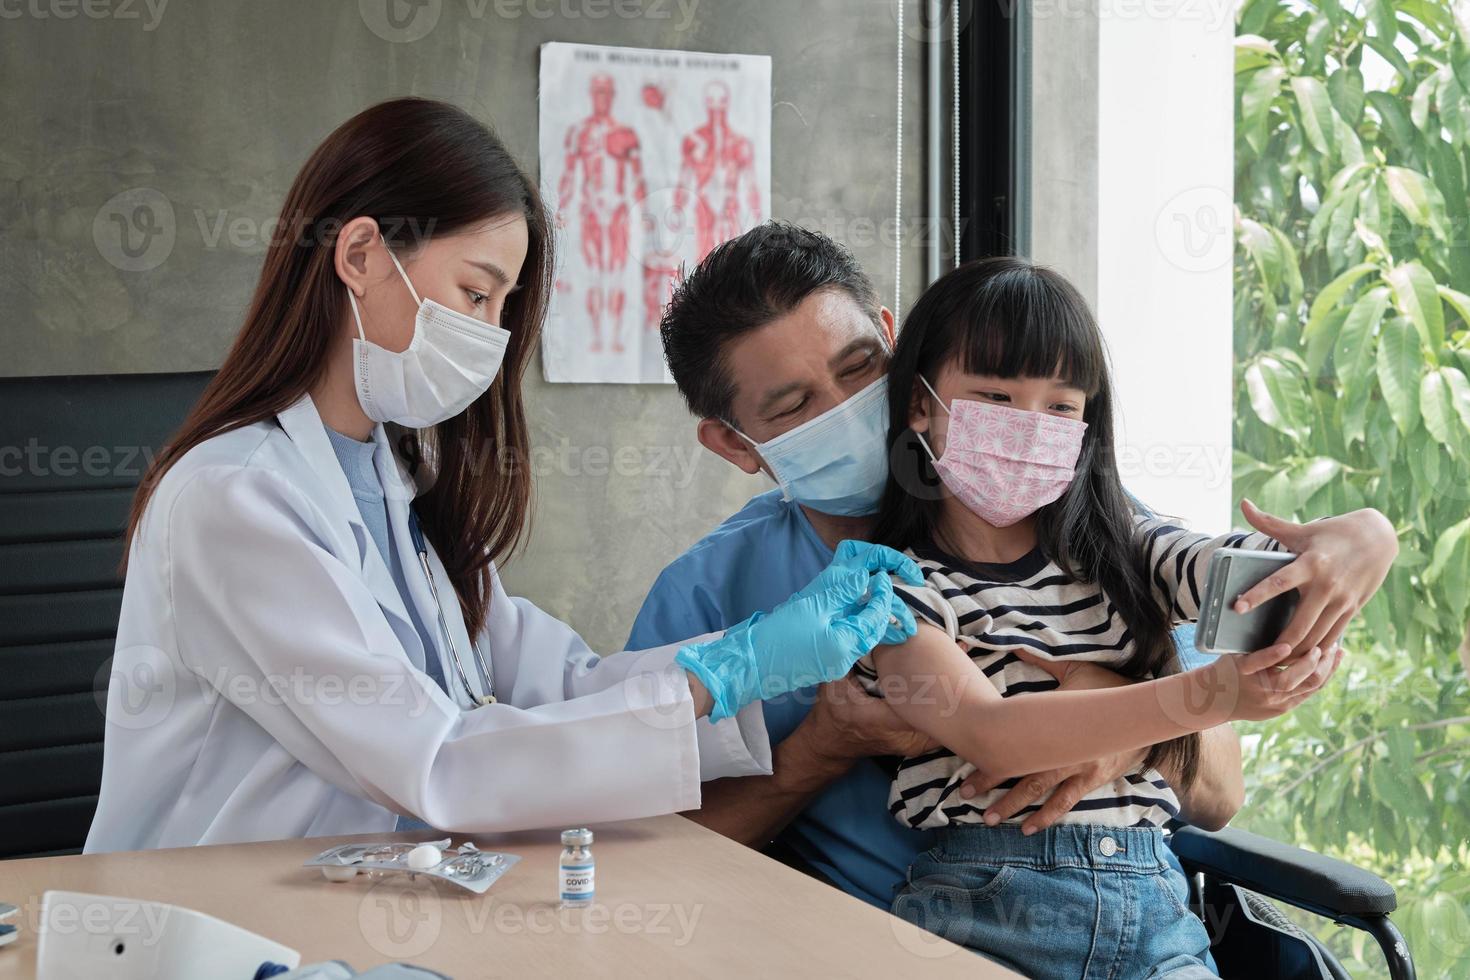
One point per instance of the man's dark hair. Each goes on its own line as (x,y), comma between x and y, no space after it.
(740,286)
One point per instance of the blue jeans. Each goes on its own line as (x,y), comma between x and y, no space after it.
(1070,902)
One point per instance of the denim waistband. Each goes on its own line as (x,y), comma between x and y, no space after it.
(1058,846)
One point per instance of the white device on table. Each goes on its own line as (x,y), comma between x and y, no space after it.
(87,936)
(1233,571)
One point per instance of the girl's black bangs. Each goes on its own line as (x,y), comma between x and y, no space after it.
(1023,327)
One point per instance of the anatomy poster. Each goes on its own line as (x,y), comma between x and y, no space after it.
(648,160)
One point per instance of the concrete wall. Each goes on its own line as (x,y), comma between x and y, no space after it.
(204,112)
(1064,162)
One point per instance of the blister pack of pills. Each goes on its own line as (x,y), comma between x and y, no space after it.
(467,866)
(8,930)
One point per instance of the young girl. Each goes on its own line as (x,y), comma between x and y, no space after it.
(1040,577)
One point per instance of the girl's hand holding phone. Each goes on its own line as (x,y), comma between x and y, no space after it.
(1256,686)
(1341,562)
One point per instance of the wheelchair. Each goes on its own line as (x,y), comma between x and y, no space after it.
(1236,878)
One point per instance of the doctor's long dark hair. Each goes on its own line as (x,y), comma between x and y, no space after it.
(1009,318)
(420,168)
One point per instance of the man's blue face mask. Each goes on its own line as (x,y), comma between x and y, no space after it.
(836,463)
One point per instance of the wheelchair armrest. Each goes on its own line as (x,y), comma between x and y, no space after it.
(1289,874)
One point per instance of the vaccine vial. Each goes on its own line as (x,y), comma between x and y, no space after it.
(577,868)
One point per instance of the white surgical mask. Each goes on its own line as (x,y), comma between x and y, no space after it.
(452,360)
(836,463)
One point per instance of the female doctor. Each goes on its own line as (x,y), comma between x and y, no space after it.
(314,639)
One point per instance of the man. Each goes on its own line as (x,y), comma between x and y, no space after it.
(777,341)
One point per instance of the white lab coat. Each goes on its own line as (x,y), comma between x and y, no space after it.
(268,682)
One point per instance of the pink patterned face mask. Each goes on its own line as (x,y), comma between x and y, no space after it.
(1003,463)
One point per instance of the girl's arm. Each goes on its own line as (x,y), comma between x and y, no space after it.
(1178,560)
(1341,562)
(1218,790)
(933,685)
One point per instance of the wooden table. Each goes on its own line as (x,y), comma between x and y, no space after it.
(674,899)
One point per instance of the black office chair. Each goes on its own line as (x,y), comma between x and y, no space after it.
(72,450)
(1234,878)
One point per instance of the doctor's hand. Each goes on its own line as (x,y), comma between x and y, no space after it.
(876,558)
(1341,562)
(816,635)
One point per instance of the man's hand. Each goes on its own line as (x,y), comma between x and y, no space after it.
(849,724)
(1341,562)
(845,725)
(1062,789)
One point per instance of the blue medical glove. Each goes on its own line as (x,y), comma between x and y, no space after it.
(874,558)
(877,558)
(815,636)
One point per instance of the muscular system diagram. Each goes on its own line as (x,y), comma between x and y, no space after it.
(649,159)
(603,180)
(717,175)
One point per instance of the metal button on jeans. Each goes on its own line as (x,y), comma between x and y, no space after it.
(1107,846)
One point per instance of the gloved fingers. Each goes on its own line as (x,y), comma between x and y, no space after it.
(825,580)
(906,626)
(871,621)
(877,558)
(845,592)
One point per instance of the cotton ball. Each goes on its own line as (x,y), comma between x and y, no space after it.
(424,857)
(344,872)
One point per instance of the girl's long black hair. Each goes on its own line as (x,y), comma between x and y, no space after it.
(1010,318)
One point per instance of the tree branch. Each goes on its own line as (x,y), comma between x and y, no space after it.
(1368,740)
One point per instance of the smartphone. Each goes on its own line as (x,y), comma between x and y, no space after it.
(1232,572)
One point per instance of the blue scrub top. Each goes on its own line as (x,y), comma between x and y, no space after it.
(754,561)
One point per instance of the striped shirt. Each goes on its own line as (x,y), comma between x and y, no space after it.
(1030,604)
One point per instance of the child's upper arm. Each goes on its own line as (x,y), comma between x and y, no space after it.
(933,685)
(929,606)
(932,613)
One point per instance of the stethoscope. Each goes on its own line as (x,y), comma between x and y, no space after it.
(476,700)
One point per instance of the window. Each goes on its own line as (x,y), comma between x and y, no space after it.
(1352,381)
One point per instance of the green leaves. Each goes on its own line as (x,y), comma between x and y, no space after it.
(1337,289)
(1399,365)
(1264,249)
(1278,392)
(1352,340)
(1444,400)
(1253,51)
(1385,21)
(1416,296)
(1354,354)
(1450,569)
(1458,301)
(1395,117)
(1345,87)
(1255,103)
(1315,108)
(1289,490)
(1417,198)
